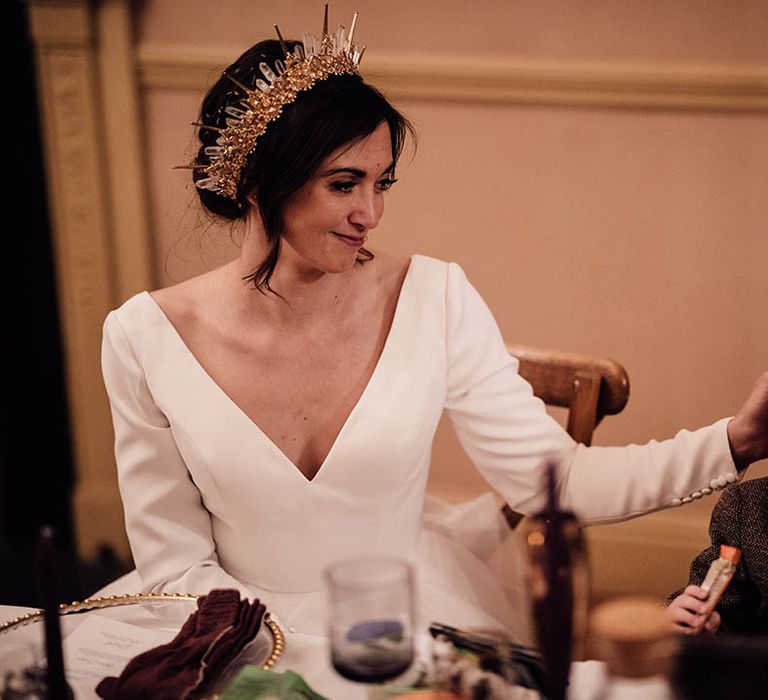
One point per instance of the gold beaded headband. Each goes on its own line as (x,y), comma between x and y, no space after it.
(310,62)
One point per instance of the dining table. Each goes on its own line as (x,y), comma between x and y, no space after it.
(88,657)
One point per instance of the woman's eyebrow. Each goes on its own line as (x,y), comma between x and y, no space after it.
(351,171)
(356,172)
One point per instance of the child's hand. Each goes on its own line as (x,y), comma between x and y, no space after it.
(686,612)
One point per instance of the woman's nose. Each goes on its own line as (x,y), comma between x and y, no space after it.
(367,210)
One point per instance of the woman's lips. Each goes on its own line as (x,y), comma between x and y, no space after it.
(351,241)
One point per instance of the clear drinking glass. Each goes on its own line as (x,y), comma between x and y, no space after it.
(372,614)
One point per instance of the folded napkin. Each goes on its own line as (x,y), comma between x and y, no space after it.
(252,683)
(193,661)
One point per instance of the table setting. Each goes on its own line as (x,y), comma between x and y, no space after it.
(101,636)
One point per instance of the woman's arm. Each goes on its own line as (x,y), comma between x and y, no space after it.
(510,438)
(168,527)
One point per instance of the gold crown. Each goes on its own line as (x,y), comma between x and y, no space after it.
(310,62)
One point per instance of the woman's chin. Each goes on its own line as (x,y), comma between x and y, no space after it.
(329,266)
(344,262)
(341,267)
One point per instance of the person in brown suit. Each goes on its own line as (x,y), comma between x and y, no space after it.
(740,519)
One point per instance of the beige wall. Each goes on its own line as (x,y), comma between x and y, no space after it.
(598,168)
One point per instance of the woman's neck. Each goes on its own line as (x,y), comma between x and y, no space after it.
(302,295)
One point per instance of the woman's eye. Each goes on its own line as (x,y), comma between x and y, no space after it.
(345,186)
(385,184)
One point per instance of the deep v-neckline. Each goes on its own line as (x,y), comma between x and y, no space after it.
(253,425)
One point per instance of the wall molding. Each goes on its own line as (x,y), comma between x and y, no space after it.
(122,138)
(660,86)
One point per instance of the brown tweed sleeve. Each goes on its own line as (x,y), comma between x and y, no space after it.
(740,519)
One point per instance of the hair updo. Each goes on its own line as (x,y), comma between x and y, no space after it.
(339,110)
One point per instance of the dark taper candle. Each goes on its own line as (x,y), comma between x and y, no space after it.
(46,581)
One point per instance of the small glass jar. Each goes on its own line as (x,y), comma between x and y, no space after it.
(635,640)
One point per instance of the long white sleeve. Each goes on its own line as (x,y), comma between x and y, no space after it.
(168,526)
(510,438)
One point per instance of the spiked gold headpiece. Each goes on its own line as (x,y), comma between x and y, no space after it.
(310,62)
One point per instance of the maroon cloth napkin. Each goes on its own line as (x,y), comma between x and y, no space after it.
(192,662)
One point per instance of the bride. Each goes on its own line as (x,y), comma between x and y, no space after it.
(277,414)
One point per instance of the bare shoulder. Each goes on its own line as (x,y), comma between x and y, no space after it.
(188,299)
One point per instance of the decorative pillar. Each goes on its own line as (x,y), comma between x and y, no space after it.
(91,137)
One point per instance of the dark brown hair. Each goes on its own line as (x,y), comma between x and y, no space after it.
(337,111)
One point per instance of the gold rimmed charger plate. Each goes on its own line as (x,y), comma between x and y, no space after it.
(115,601)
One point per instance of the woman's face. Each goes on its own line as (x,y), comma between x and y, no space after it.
(326,221)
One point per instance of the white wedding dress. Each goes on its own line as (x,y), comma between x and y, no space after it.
(211,502)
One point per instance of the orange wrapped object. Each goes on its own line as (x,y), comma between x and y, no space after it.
(719,575)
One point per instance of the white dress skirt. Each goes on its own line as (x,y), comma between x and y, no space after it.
(210,501)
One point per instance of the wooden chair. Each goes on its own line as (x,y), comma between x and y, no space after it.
(589,387)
